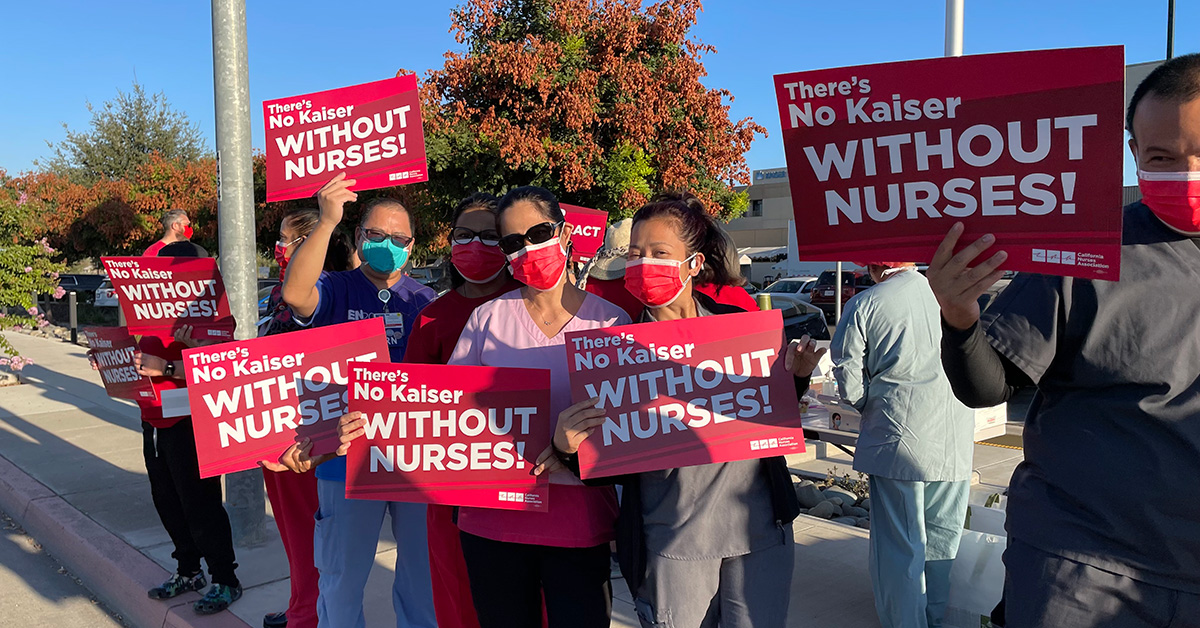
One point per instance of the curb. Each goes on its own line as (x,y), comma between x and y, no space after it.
(115,571)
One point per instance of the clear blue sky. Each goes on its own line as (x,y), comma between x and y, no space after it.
(62,54)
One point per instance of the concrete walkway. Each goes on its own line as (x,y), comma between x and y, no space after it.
(71,472)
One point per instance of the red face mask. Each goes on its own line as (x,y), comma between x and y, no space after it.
(476,261)
(280,251)
(1174,197)
(655,282)
(187,232)
(539,266)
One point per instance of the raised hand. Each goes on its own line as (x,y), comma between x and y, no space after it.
(958,280)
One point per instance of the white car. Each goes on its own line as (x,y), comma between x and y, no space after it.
(791,289)
(106,295)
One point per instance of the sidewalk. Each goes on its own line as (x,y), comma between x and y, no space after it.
(71,472)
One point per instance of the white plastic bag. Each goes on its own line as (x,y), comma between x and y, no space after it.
(976,580)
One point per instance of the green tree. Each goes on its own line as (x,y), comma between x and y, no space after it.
(122,135)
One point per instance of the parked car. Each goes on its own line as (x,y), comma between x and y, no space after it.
(853,282)
(80,284)
(791,289)
(106,295)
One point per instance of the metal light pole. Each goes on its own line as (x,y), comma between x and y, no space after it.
(837,304)
(1170,28)
(235,216)
(954,28)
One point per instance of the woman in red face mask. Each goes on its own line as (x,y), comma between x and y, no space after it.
(709,544)
(515,560)
(294,496)
(479,275)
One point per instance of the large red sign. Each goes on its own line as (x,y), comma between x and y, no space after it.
(455,435)
(372,132)
(685,392)
(587,234)
(883,159)
(113,349)
(161,294)
(251,400)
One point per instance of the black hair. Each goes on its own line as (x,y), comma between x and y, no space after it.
(380,201)
(544,200)
(478,200)
(182,248)
(341,246)
(697,229)
(541,198)
(302,220)
(1177,80)
(341,250)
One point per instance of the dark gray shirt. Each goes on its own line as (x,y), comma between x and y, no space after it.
(708,511)
(1111,476)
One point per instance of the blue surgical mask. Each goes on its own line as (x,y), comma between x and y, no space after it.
(385,256)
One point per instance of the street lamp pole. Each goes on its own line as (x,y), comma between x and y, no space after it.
(235,217)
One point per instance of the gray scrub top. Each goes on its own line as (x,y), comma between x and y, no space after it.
(888,363)
(1111,476)
(708,511)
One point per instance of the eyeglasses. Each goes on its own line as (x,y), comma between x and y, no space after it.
(463,235)
(283,244)
(375,235)
(536,234)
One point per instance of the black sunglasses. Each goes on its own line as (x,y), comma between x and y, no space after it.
(536,234)
(463,235)
(375,235)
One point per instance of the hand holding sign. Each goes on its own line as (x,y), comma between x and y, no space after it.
(577,423)
(333,197)
(350,427)
(957,285)
(803,356)
(149,365)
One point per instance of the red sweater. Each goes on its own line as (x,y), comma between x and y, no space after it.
(440,324)
(168,349)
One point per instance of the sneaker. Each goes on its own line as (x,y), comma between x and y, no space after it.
(178,585)
(275,620)
(218,598)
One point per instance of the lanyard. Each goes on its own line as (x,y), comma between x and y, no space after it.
(385,296)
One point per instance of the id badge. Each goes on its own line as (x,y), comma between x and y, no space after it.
(392,320)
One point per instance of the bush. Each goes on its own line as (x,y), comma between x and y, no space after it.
(25,271)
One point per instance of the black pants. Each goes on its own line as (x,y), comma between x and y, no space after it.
(1042,590)
(190,508)
(509,580)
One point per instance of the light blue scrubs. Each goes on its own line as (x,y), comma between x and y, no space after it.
(346,539)
(915,443)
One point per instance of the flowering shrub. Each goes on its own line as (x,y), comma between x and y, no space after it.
(25,270)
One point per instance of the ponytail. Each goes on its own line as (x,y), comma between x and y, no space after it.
(698,230)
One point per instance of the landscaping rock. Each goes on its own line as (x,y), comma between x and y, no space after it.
(848,498)
(848,521)
(808,494)
(825,510)
(863,523)
(866,504)
(855,511)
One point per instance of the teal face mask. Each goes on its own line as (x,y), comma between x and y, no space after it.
(385,256)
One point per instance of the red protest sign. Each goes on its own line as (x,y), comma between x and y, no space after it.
(372,132)
(251,400)
(161,294)
(883,159)
(112,348)
(587,236)
(686,392)
(455,435)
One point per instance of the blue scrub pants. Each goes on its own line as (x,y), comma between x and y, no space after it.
(344,544)
(915,529)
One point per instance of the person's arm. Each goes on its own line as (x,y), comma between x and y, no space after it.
(980,376)
(304,269)
(848,349)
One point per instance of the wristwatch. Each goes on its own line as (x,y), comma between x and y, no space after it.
(169,371)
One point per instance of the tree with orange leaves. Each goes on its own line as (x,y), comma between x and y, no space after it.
(600,101)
